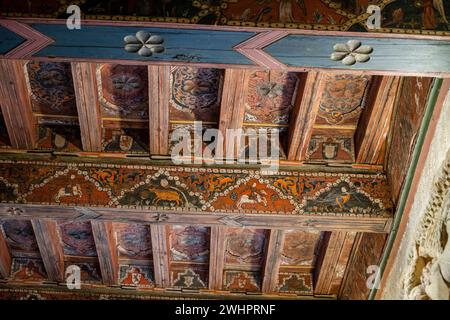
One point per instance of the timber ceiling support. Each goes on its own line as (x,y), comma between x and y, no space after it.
(49,244)
(232,109)
(374,125)
(272,262)
(103,232)
(16,104)
(159,92)
(216,258)
(334,262)
(304,114)
(5,257)
(160,255)
(88,107)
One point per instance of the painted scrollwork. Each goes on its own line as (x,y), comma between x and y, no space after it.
(428,273)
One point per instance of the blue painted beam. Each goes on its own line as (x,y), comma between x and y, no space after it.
(9,40)
(409,55)
(106,42)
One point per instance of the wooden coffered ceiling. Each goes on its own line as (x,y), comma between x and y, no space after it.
(86,176)
(79,186)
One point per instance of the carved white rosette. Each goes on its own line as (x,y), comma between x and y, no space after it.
(428,267)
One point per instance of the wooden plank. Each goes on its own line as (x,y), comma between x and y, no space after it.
(330,272)
(16,105)
(160,249)
(49,243)
(272,262)
(304,114)
(106,250)
(265,221)
(216,258)
(375,122)
(88,105)
(232,110)
(412,101)
(367,252)
(159,92)
(5,257)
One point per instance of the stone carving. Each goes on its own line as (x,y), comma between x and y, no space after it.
(351,52)
(144,43)
(428,267)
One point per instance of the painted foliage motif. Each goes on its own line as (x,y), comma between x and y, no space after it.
(195,93)
(123,91)
(191,278)
(133,240)
(296,283)
(189,244)
(51,87)
(77,238)
(270,97)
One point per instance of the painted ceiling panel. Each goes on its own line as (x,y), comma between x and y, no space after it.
(300,248)
(245,246)
(342,99)
(51,87)
(20,236)
(189,244)
(133,241)
(123,91)
(270,97)
(195,94)
(77,238)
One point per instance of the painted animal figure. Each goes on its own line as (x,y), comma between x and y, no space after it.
(343,199)
(216,183)
(245,199)
(68,192)
(166,195)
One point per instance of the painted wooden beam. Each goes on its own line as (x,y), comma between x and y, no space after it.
(160,249)
(367,252)
(375,122)
(49,243)
(159,93)
(216,258)
(331,269)
(30,40)
(88,106)
(16,104)
(232,110)
(304,114)
(292,49)
(149,216)
(272,262)
(105,243)
(5,257)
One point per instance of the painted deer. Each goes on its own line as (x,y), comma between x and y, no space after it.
(166,195)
